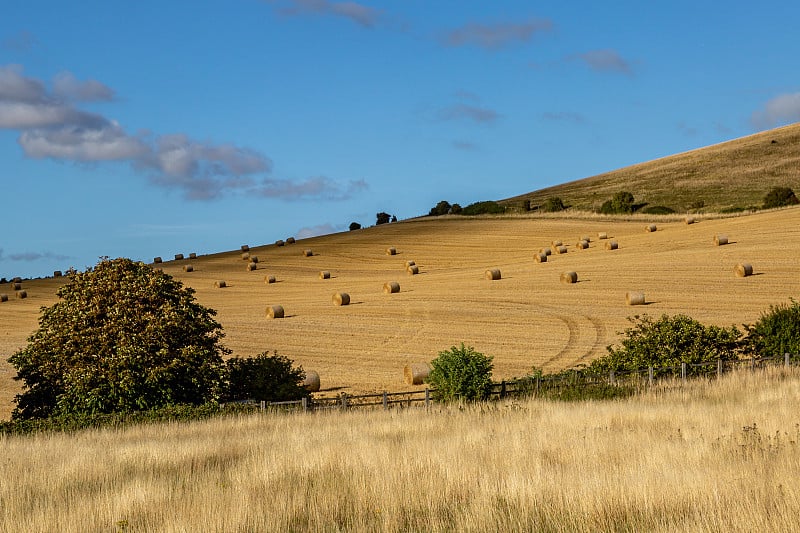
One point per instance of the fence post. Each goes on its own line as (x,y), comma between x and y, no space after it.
(683,371)
(650,375)
(385,401)
(786,360)
(427,397)
(503,389)
(538,379)
(263,405)
(611,379)
(304,403)
(344,401)
(719,368)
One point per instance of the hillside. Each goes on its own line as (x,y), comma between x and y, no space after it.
(526,318)
(732,174)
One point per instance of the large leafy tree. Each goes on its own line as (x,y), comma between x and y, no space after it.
(268,377)
(777,331)
(122,337)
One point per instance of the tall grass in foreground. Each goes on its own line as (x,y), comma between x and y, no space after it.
(707,456)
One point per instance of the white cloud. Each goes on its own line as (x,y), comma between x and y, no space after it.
(496,35)
(782,109)
(316,231)
(606,60)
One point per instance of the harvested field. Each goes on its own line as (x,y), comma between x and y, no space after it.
(528,319)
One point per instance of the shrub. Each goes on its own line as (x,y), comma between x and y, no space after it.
(658,210)
(122,337)
(456,209)
(553,204)
(669,341)
(270,378)
(780,197)
(354,226)
(487,207)
(777,332)
(442,208)
(461,373)
(382,218)
(621,203)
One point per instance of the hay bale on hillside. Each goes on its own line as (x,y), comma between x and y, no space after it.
(612,245)
(410,263)
(188,268)
(743,270)
(290,240)
(546,250)
(324,274)
(720,240)
(246,256)
(602,235)
(220,284)
(634,298)
(586,238)
(21,295)
(156,260)
(3,297)
(391,287)
(307,252)
(689,220)
(178,257)
(254,259)
(413,270)
(16,286)
(17,280)
(650,228)
(492,274)
(560,250)
(556,244)
(341,298)
(252,266)
(57,274)
(245,248)
(192,255)
(582,245)
(391,251)
(279,243)
(275,311)
(311,383)
(269,279)
(569,277)
(540,258)
(416,373)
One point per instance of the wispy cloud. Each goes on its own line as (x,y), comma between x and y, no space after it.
(480,115)
(361,14)
(606,60)
(563,116)
(22,41)
(316,231)
(32,256)
(496,35)
(51,126)
(781,109)
(466,146)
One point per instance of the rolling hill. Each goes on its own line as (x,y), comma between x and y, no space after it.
(733,174)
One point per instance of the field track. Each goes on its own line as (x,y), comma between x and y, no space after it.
(526,318)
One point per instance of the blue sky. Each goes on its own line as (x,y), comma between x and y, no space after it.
(152,128)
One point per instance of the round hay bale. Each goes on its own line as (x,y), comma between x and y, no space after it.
(192,255)
(290,240)
(16,286)
(324,274)
(341,298)
(540,258)
(416,373)
(275,311)
(569,277)
(178,257)
(602,235)
(582,245)
(391,287)
(560,250)
(413,270)
(492,274)
(650,228)
(556,244)
(311,383)
(57,274)
(21,295)
(586,238)
(279,242)
(612,245)
(391,251)
(720,240)
(743,270)
(634,298)
(269,279)
(252,266)
(410,263)
(307,253)
(3,297)
(156,260)
(188,268)
(245,248)
(546,250)
(254,259)
(220,284)
(17,280)
(689,220)
(245,256)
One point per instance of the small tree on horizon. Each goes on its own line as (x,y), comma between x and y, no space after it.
(382,218)
(780,197)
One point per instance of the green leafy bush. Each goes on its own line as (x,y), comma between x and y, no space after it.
(265,377)
(442,208)
(355,226)
(461,373)
(669,341)
(658,210)
(487,207)
(780,197)
(122,337)
(382,218)
(553,205)
(621,203)
(777,332)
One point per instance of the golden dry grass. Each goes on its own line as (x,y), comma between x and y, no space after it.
(526,318)
(719,456)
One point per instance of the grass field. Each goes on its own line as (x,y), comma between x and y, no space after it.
(707,456)
(526,318)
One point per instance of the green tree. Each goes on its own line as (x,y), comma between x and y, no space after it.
(669,341)
(122,337)
(777,332)
(456,209)
(553,205)
(780,197)
(486,207)
(354,226)
(620,203)
(442,208)
(461,373)
(382,218)
(266,377)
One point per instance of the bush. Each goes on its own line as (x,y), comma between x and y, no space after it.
(777,332)
(354,226)
(621,203)
(553,205)
(442,208)
(669,341)
(122,337)
(270,378)
(658,210)
(456,209)
(487,207)
(780,197)
(461,374)
(382,218)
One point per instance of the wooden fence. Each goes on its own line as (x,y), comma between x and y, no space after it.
(537,385)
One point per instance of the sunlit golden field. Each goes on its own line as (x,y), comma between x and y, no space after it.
(526,318)
(706,456)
